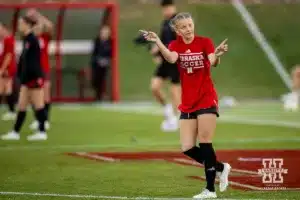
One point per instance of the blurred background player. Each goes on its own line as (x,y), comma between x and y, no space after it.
(292,100)
(166,71)
(31,76)
(101,60)
(7,71)
(43,30)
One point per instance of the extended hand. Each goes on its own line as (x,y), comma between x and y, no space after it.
(149,36)
(222,48)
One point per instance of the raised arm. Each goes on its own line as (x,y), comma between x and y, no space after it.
(169,56)
(214,58)
(44,21)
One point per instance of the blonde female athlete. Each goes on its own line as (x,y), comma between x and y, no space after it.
(194,56)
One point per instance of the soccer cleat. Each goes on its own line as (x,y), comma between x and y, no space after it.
(206,194)
(9,116)
(224,177)
(37,136)
(35,125)
(12,135)
(170,125)
(291,101)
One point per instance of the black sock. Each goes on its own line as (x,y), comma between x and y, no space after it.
(47,110)
(41,116)
(10,103)
(219,165)
(209,164)
(20,120)
(196,154)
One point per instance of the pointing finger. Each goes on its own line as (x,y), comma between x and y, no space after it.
(144,32)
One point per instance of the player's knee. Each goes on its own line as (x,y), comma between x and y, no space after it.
(38,103)
(47,96)
(155,88)
(205,136)
(176,92)
(22,106)
(8,90)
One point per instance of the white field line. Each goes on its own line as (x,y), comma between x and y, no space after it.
(225,118)
(104,158)
(40,194)
(261,122)
(244,185)
(262,41)
(259,188)
(137,144)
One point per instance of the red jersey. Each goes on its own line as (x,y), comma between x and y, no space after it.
(44,40)
(9,47)
(194,67)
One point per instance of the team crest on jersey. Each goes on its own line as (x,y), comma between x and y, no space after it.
(191,61)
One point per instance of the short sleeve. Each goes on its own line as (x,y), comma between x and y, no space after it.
(209,46)
(172,46)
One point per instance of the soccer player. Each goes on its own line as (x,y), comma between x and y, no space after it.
(44,30)
(166,71)
(291,100)
(101,60)
(31,77)
(7,71)
(194,56)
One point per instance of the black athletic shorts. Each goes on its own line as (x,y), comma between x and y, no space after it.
(193,115)
(34,84)
(168,71)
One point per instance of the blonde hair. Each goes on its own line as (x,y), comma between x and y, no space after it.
(179,16)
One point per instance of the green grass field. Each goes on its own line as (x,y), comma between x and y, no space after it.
(44,168)
(70,163)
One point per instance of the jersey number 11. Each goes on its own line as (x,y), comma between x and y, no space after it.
(189,70)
